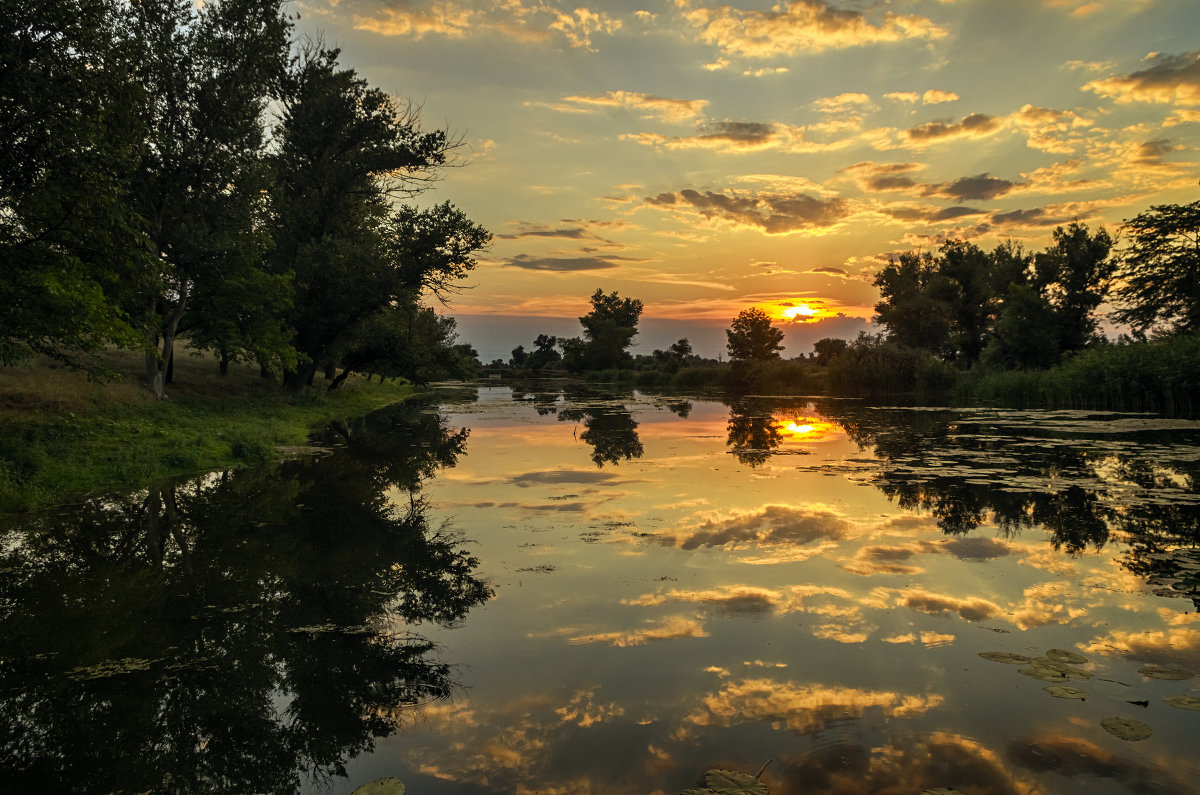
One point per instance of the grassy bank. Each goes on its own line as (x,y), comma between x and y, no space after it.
(62,436)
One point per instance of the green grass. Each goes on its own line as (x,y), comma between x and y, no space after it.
(62,437)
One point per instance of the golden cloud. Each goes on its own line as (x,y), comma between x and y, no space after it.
(971,608)
(443,19)
(772,213)
(767,526)
(974,126)
(664,108)
(1173,79)
(803,709)
(672,628)
(800,26)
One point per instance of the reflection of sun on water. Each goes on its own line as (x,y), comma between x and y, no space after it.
(805,429)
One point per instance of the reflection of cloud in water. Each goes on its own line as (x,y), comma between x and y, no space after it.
(671,628)
(583,711)
(910,764)
(971,608)
(1170,645)
(555,477)
(753,599)
(803,709)
(769,525)
(1075,758)
(1048,603)
(928,639)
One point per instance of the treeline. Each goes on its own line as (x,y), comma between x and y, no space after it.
(180,170)
(963,324)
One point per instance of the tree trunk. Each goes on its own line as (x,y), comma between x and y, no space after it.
(330,371)
(158,367)
(336,382)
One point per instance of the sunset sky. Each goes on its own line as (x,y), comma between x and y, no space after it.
(707,157)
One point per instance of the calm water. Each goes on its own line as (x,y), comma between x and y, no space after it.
(587,592)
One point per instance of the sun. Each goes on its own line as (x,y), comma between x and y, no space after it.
(799,312)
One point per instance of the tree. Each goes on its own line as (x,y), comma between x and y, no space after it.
(1073,276)
(752,338)
(207,70)
(519,356)
(828,349)
(914,317)
(1160,270)
(609,329)
(345,152)
(545,353)
(71,246)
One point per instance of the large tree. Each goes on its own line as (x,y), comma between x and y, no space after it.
(752,338)
(1160,270)
(1073,275)
(208,70)
(71,246)
(608,331)
(346,152)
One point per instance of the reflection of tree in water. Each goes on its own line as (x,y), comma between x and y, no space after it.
(233,633)
(608,426)
(965,471)
(753,432)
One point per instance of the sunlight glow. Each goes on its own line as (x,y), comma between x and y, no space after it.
(799,312)
(805,429)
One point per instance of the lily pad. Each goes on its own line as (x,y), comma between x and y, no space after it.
(1184,702)
(381,786)
(1062,655)
(729,782)
(1063,691)
(1164,672)
(1126,728)
(1045,674)
(1008,658)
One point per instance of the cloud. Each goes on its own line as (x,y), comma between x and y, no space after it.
(769,525)
(800,26)
(450,20)
(561,264)
(974,188)
(802,708)
(936,97)
(830,271)
(1172,79)
(772,213)
(976,125)
(651,106)
(971,609)
(877,177)
(903,96)
(537,22)
(843,103)
(672,628)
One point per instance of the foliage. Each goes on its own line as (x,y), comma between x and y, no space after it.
(828,349)
(70,244)
(608,331)
(752,338)
(1160,269)
(873,366)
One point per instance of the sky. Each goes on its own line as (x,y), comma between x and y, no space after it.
(705,158)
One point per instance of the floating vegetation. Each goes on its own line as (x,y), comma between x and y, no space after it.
(108,668)
(1064,691)
(1044,674)
(1165,672)
(1184,702)
(729,782)
(381,786)
(544,568)
(1126,728)
(1008,658)
(1064,656)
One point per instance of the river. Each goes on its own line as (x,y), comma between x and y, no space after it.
(559,589)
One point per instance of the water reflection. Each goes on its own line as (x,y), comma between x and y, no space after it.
(242,632)
(1085,479)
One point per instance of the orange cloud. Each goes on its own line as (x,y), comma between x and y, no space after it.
(800,26)
(674,627)
(772,213)
(1172,79)
(664,108)
(803,709)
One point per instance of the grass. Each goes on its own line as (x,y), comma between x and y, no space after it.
(62,437)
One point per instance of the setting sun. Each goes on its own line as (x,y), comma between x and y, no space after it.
(799,312)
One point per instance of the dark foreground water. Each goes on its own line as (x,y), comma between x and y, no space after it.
(566,591)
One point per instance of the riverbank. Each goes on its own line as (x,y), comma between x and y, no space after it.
(62,436)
